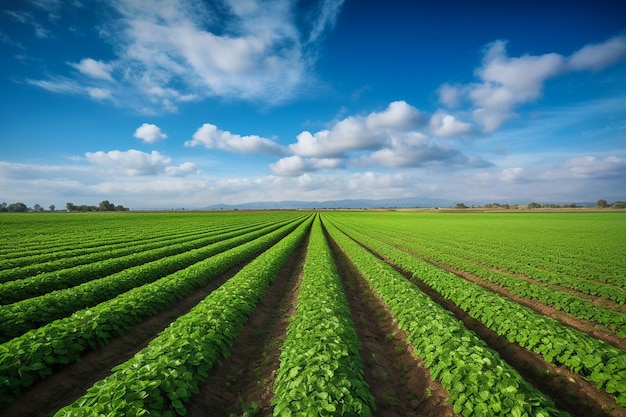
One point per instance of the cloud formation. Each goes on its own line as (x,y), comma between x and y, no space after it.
(296,165)
(173,51)
(209,136)
(507,82)
(132,163)
(149,133)
(94,69)
(397,137)
(358,133)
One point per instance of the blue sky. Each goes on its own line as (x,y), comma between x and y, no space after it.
(184,103)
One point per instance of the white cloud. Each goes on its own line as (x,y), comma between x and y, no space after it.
(58,85)
(507,82)
(296,165)
(589,167)
(173,51)
(511,174)
(393,138)
(209,136)
(414,149)
(358,133)
(449,95)
(94,69)
(532,178)
(447,126)
(599,56)
(98,93)
(149,133)
(131,163)
(183,169)
(329,11)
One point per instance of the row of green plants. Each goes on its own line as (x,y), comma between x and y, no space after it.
(35,354)
(64,234)
(320,372)
(574,306)
(19,317)
(478,381)
(91,249)
(593,359)
(162,377)
(566,276)
(563,268)
(83,233)
(102,266)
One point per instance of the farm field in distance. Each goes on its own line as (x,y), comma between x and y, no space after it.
(304,313)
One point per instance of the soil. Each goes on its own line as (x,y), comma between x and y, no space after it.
(69,383)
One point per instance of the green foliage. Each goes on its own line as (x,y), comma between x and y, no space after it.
(478,381)
(89,328)
(320,371)
(17,318)
(160,378)
(591,358)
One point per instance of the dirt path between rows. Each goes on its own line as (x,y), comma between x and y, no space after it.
(398,380)
(244,380)
(569,391)
(71,382)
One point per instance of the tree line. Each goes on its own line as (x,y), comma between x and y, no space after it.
(601,203)
(19,207)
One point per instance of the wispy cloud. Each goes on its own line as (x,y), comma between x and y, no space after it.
(95,69)
(598,56)
(173,51)
(507,82)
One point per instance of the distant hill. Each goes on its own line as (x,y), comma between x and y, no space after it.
(337,204)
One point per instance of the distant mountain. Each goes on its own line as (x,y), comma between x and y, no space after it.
(337,204)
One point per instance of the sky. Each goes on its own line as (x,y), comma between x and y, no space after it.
(186,103)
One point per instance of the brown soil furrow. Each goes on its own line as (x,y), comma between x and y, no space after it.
(71,382)
(569,390)
(244,380)
(398,380)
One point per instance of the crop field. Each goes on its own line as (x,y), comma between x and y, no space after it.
(297,313)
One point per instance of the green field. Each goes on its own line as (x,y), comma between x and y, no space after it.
(300,313)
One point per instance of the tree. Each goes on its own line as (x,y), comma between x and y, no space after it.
(534,205)
(71,207)
(18,208)
(37,207)
(602,203)
(461,206)
(51,207)
(105,205)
